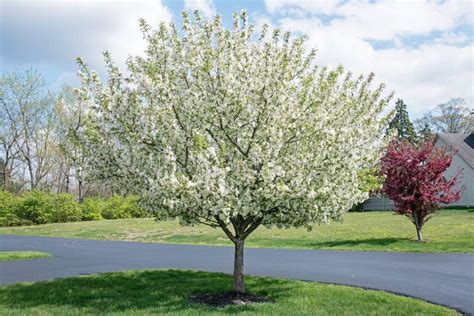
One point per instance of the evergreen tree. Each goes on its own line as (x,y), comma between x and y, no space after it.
(402,124)
(425,133)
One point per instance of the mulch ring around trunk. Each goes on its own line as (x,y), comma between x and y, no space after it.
(228,298)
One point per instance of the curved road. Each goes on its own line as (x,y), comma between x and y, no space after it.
(446,279)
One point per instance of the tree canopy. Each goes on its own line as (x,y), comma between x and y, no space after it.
(425,134)
(453,116)
(414,180)
(233,129)
(401,123)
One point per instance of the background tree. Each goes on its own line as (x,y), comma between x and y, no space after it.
(425,134)
(9,140)
(71,115)
(415,182)
(2,173)
(38,145)
(230,130)
(29,115)
(370,179)
(402,124)
(450,117)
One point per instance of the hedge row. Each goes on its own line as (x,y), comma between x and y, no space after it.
(37,207)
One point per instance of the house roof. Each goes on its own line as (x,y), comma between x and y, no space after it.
(458,142)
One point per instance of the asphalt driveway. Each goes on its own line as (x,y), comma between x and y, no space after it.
(446,279)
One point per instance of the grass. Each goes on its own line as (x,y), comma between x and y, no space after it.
(22,255)
(167,291)
(448,231)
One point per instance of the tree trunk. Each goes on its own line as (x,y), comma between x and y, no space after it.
(418,227)
(80,197)
(418,233)
(243,228)
(67,181)
(5,177)
(239,286)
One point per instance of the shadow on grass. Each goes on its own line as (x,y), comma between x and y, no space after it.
(358,242)
(157,291)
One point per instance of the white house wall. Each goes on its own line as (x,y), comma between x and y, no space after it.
(466,178)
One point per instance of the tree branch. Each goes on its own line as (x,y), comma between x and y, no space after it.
(252,227)
(225,229)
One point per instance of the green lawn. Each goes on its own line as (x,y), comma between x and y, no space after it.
(22,255)
(448,231)
(167,291)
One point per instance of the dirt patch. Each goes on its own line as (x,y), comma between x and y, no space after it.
(228,298)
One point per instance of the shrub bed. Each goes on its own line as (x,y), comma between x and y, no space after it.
(36,207)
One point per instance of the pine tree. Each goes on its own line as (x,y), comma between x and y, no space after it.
(402,124)
(425,133)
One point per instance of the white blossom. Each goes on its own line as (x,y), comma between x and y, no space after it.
(221,126)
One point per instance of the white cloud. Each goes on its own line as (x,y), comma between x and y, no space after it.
(452,38)
(206,7)
(437,67)
(260,20)
(319,6)
(386,19)
(55,32)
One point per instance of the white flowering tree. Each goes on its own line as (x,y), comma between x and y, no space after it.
(233,130)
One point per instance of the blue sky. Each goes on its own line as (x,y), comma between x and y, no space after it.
(421,49)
